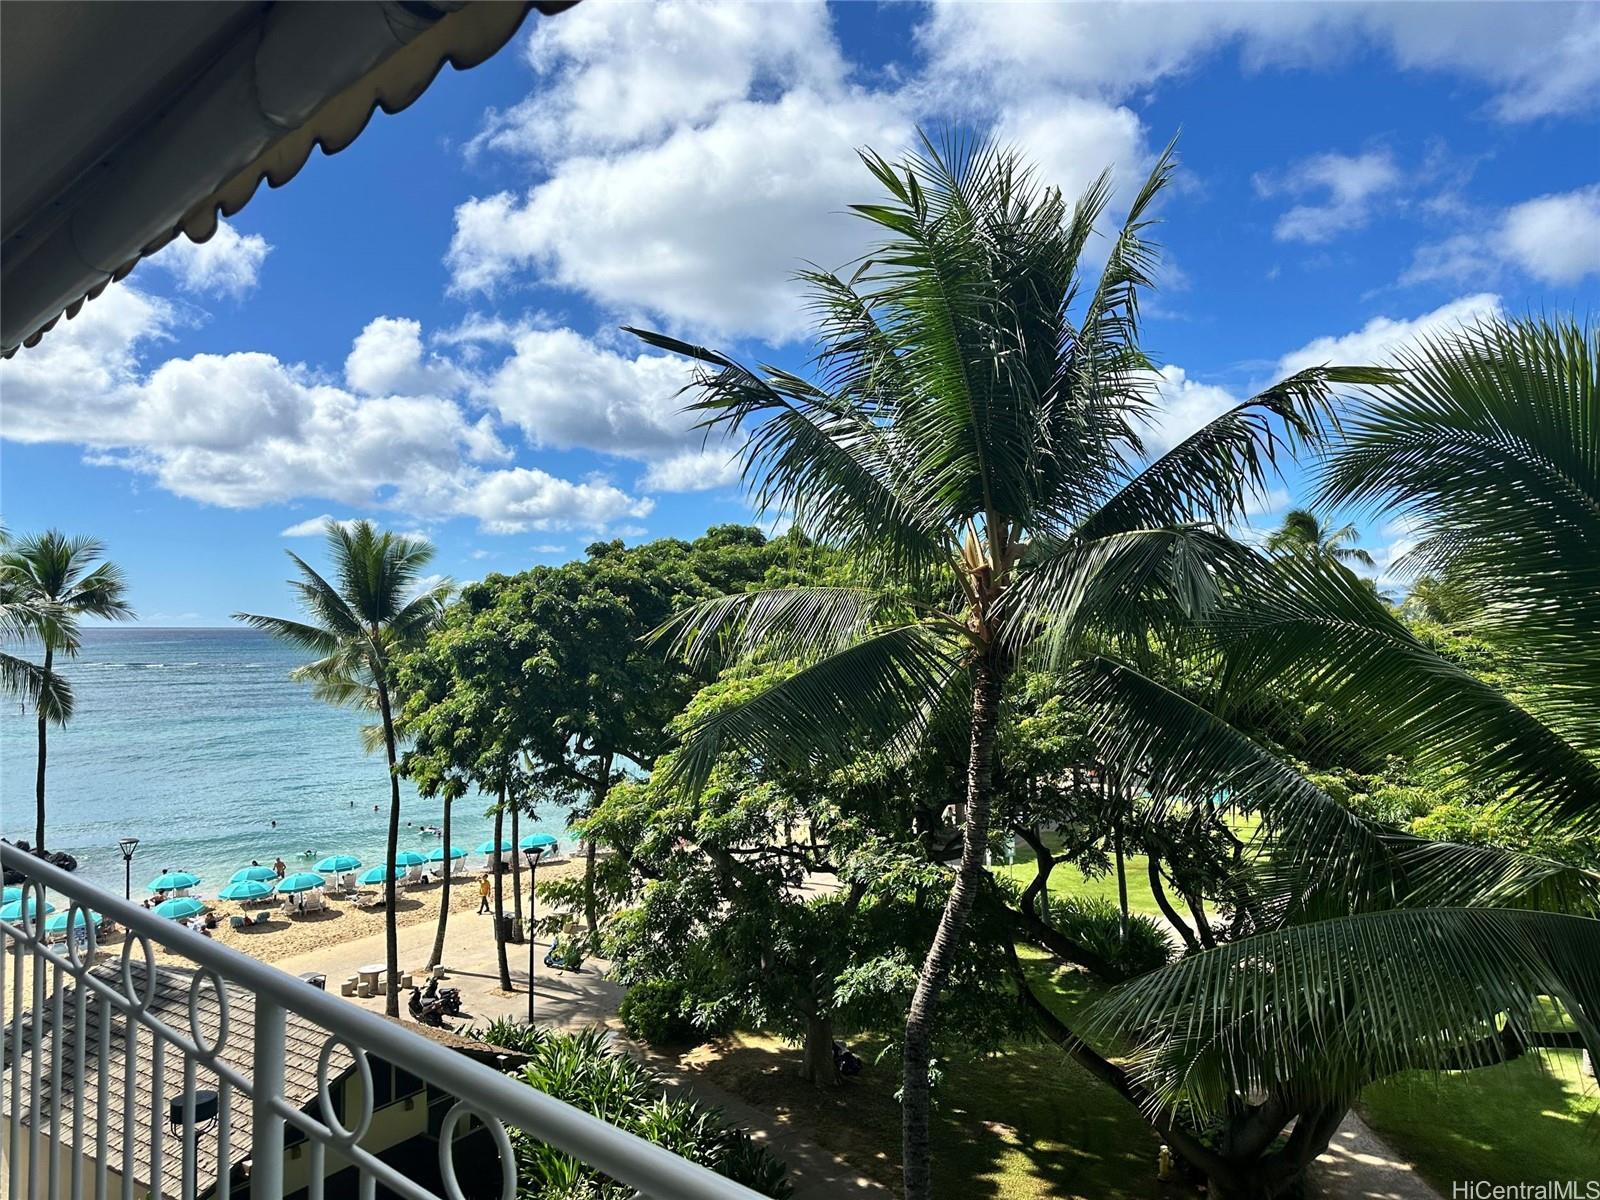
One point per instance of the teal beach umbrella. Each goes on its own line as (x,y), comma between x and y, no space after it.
(246,889)
(339,862)
(439,854)
(255,874)
(172,881)
(179,908)
(538,841)
(409,858)
(488,848)
(378,874)
(302,881)
(14,892)
(58,923)
(13,911)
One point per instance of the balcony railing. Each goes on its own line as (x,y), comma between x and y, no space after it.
(120,1082)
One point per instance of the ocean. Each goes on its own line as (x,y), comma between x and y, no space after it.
(195,741)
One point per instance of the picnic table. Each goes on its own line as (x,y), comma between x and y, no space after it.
(372,973)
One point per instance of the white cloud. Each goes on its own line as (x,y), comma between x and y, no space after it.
(693,471)
(314,526)
(1351,184)
(246,429)
(1377,340)
(387,359)
(1072,139)
(704,230)
(617,75)
(226,265)
(1538,58)
(1553,238)
(1556,238)
(522,498)
(1185,405)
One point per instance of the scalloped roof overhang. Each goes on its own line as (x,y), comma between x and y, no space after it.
(123,125)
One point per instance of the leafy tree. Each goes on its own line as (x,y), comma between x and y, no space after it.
(1302,532)
(51,583)
(786,901)
(548,670)
(969,442)
(358,628)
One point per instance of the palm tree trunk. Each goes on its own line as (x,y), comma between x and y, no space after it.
(1122,879)
(1165,905)
(500,894)
(38,780)
(437,957)
(916,1105)
(391,933)
(590,908)
(516,868)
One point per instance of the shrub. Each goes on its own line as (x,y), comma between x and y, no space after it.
(1096,923)
(579,1069)
(655,1012)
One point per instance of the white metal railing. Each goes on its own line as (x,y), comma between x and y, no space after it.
(69,997)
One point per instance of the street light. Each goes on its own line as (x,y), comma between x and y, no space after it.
(127,845)
(534,855)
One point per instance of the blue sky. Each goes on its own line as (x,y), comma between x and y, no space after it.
(423,329)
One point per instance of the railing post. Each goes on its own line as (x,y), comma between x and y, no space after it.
(266,1081)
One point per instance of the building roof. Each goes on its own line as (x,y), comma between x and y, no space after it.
(125,125)
(303,1042)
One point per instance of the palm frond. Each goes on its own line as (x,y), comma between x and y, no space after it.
(804,622)
(875,693)
(1486,443)
(1320,628)
(1213,473)
(1317,1011)
(311,638)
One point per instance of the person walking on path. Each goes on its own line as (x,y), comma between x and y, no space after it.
(483,894)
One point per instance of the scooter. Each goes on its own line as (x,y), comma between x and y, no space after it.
(425,1014)
(448,999)
(845,1063)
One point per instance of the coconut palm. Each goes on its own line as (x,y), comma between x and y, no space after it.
(51,583)
(22,617)
(970,438)
(1302,532)
(1441,956)
(379,608)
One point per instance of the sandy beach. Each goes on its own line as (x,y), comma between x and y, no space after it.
(287,937)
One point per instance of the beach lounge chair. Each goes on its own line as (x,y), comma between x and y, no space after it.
(237,922)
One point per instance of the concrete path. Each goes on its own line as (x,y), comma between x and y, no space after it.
(1359,1165)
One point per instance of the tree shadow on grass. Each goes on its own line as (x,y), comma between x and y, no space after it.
(1024,1123)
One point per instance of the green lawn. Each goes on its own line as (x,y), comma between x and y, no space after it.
(1022,1125)
(1521,1122)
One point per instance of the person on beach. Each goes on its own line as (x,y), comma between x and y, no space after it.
(483,895)
(280,867)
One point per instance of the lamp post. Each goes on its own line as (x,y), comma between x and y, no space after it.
(127,845)
(533,873)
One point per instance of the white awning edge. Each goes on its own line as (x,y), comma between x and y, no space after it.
(238,122)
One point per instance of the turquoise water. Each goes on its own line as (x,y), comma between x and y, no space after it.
(195,741)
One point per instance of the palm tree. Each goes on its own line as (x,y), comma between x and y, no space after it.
(51,583)
(357,629)
(22,617)
(1303,533)
(970,440)
(1430,956)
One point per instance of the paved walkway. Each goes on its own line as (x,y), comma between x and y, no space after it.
(1359,1165)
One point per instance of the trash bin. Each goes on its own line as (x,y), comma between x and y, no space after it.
(316,980)
(507,928)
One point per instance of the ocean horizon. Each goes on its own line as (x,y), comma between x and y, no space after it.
(195,741)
